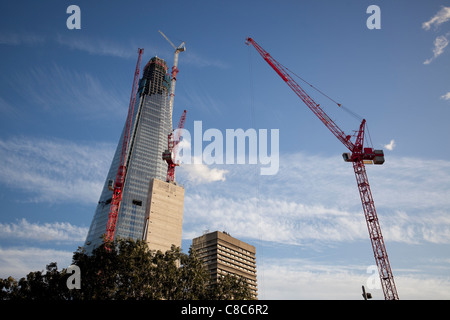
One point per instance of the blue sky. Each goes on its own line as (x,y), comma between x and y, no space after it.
(64,96)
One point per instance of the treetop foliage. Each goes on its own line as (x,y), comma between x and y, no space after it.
(127,270)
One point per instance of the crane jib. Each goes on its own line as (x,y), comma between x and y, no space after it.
(276,69)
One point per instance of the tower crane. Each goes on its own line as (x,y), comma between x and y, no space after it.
(170,154)
(122,170)
(358,156)
(180,48)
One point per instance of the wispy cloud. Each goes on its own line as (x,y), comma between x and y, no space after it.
(439,18)
(316,199)
(102,47)
(16,39)
(197,96)
(56,88)
(94,46)
(197,60)
(276,220)
(108,47)
(440,43)
(56,231)
(54,170)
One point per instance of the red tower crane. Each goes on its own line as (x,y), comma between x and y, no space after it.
(170,154)
(358,156)
(122,170)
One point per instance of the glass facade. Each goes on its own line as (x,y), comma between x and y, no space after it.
(148,140)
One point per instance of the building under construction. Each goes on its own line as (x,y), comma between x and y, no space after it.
(146,140)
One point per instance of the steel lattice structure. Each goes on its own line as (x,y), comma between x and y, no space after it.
(122,171)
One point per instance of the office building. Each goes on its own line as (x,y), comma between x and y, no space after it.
(222,254)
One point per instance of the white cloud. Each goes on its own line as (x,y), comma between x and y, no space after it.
(440,43)
(276,220)
(192,170)
(390,146)
(54,170)
(305,279)
(300,279)
(316,199)
(18,262)
(291,222)
(200,173)
(56,231)
(446,96)
(413,185)
(439,18)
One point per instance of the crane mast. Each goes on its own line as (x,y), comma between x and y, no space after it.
(358,156)
(175,70)
(122,170)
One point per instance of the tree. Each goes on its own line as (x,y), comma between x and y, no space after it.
(127,270)
(230,287)
(37,285)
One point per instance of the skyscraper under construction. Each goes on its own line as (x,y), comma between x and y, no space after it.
(151,124)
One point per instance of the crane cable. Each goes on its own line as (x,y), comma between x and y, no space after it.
(257,173)
(340,105)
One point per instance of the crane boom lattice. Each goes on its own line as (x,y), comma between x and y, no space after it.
(122,170)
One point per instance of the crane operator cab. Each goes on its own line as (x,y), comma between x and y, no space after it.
(370,156)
